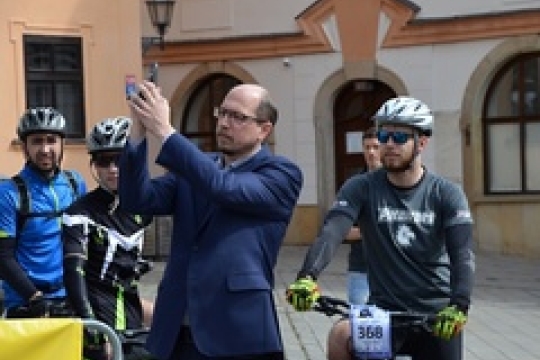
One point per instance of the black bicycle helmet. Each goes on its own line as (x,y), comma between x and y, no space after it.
(109,135)
(405,111)
(41,119)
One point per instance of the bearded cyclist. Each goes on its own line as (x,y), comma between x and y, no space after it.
(31,204)
(417,233)
(103,246)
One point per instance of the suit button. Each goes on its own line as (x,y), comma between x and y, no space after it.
(195,248)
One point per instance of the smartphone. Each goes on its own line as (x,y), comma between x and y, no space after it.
(152,76)
(153,73)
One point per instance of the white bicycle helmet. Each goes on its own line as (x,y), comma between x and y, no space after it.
(405,111)
(41,119)
(109,135)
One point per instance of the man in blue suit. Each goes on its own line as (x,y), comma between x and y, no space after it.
(230,212)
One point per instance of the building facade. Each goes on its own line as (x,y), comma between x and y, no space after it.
(328,64)
(74,55)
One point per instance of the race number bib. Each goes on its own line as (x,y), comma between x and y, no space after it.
(371,335)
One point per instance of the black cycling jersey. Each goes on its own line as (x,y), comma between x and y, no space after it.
(102,260)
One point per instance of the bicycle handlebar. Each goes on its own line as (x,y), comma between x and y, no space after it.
(331,306)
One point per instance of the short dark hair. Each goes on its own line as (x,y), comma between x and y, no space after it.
(370,133)
(266,110)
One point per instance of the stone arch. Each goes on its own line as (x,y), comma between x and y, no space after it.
(471,109)
(188,84)
(324,125)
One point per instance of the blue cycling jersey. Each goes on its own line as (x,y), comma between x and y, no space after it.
(39,244)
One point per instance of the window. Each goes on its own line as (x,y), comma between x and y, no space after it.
(511,124)
(54,77)
(199,123)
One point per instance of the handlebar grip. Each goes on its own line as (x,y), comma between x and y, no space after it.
(332,301)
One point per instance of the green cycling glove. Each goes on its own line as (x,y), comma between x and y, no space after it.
(449,322)
(302,294)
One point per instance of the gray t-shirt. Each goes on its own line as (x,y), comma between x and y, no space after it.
(403,235)
(357,262)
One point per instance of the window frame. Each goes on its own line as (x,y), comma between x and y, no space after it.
(522,119)
(55,76)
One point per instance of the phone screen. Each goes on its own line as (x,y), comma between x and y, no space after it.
(131,85)
(151,76)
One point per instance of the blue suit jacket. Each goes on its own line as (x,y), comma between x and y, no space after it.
(228,228)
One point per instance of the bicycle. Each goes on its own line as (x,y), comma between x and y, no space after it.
(133,342)
(130,344)
(376,333)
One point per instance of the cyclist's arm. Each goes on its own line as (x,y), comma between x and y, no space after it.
(11,271)
(75,229)
(75,284)
(459,246)
(335,228)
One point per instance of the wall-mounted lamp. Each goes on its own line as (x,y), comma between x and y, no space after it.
(286,62)
(160,12)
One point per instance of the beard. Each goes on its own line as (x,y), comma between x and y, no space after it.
(47,166)
(233,150)
(397,165)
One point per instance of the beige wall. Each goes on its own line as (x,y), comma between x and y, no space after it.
(111,49)
(509,228)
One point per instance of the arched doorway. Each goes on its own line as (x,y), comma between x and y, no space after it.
(355,104)
(198,123)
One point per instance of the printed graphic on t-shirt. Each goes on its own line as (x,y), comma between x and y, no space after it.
(390,215)
(404,236)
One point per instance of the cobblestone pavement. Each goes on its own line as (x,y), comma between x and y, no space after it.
(503,321)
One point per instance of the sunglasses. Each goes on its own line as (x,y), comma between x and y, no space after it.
(104,161)
(398,137)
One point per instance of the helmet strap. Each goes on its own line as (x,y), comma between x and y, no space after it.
(102,185)
(415,151)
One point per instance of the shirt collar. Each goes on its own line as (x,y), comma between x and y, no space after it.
(240,161)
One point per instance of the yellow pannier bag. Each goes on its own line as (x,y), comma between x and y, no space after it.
(41,339)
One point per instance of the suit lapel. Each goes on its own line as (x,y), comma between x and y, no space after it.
(205,205)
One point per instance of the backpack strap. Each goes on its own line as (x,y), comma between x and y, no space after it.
(24,202)
(72,182)
(23,213)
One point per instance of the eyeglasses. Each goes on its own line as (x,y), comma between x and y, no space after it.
(398,137)
(235,116)
(104,161)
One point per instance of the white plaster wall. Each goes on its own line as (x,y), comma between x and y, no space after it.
(438,8)
(204,19)
(208,19)
(438,75)
(294,89)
